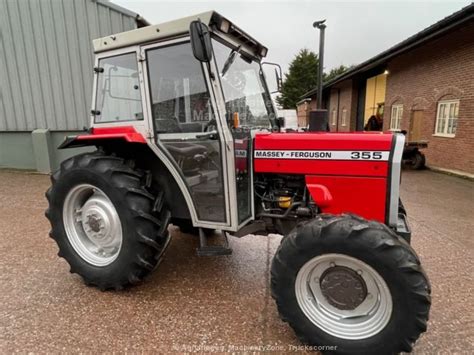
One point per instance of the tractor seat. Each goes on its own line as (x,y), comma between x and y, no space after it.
(185,149)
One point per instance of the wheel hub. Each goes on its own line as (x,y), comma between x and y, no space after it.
(95,223)
(100,221)
(343,288)
(343,296)
(92,225)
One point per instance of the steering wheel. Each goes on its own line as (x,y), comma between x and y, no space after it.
(209,124)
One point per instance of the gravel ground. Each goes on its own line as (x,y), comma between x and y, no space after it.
(208,304)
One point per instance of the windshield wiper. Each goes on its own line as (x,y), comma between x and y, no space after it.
(230,59)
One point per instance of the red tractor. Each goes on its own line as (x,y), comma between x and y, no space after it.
(185,132)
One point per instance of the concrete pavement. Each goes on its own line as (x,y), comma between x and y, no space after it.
(208,304)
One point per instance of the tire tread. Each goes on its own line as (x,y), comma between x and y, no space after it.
(130,183)
(351,227)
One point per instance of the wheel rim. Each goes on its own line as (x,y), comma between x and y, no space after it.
(343,296)
(92,225)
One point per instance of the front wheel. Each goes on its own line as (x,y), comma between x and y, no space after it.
(350,286)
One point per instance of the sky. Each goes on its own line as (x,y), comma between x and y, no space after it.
(356,30)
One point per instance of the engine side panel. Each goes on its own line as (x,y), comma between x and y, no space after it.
(344,172)
(365,196)
(351,154)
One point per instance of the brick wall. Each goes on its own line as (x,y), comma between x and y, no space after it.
(441,69)
(343,98)
(303,109)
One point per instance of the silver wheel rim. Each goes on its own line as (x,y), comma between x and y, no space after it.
(92,225)
(371,312)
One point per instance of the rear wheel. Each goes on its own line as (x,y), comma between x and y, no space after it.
(108,226)
(351,284)
(418,161)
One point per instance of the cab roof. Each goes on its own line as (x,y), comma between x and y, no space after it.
(176,28)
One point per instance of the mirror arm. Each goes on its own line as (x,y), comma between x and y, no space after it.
(211,73)
(278,74)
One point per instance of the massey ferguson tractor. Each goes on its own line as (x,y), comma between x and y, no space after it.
(183,131)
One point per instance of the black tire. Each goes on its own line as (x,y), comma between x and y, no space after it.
(374,244)
(418,161)
(144,218)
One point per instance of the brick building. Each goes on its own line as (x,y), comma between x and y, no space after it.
(424,85)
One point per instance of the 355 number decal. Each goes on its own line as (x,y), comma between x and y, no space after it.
(366,155)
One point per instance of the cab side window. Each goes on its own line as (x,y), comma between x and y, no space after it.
(179,94)
(118,90)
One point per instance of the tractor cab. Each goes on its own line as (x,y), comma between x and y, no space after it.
(195,89)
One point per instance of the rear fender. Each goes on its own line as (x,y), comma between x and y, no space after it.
(101,136)
(129,144)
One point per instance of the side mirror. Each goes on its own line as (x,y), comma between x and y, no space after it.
(200,41)
(278,76)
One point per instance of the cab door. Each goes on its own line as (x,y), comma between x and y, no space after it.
(188,129)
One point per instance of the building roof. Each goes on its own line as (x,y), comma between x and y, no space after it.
(437,29)
(141,22)
(173,29)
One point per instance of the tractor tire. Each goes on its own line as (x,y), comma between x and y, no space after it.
(108,226)
(349,286)
(418,161)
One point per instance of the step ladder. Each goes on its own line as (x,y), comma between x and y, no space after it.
(212,250)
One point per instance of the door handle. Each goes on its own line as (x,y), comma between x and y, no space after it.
(207,135)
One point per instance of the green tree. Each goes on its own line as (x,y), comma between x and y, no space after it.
(335,72)
(302,76)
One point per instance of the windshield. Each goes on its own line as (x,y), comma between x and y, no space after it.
(244,89)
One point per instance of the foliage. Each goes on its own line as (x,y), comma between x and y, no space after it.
(335,72)
(302,76)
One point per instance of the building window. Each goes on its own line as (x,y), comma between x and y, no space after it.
(333,117)
(447,118)
(396,117)
(344,117)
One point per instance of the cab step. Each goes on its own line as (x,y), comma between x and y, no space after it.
(212,250)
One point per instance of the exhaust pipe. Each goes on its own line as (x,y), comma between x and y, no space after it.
(318,121)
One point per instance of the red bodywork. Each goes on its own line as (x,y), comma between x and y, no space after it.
(350,174)
(127,133)
(344,172)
